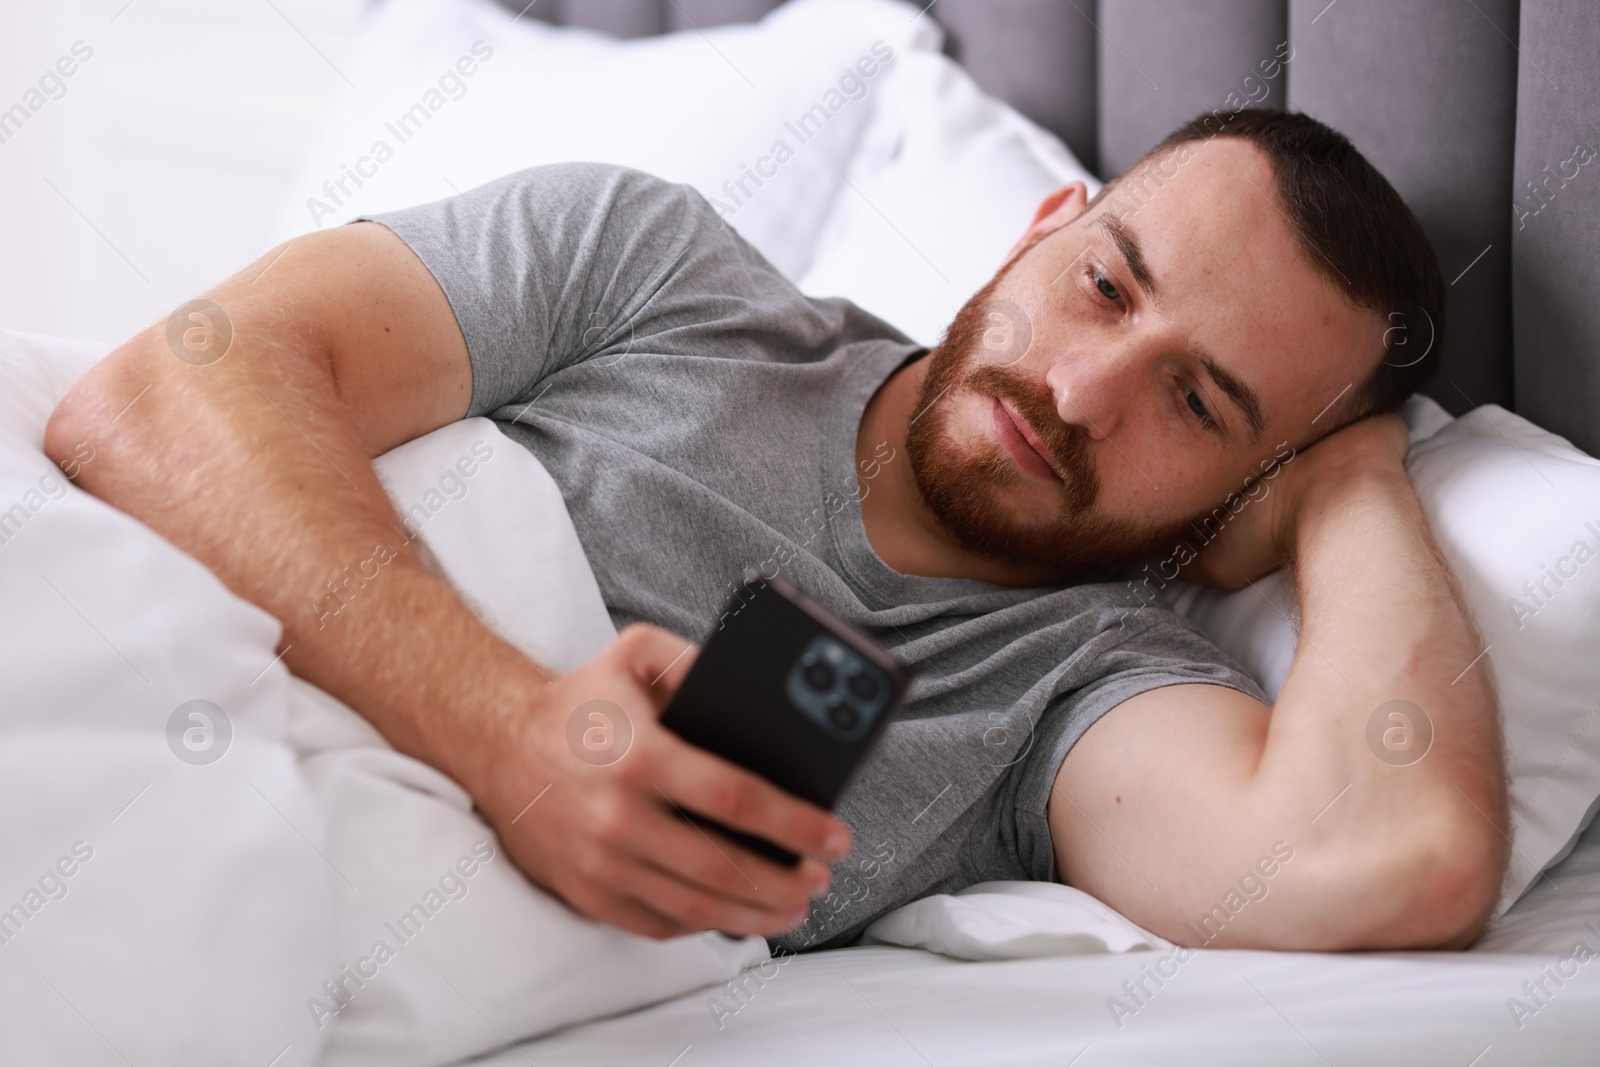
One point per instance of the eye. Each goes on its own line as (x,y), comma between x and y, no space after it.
(1107,290)
(1198,408)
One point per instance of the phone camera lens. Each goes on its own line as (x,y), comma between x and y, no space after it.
(819,675)
(843,716)
(863,686)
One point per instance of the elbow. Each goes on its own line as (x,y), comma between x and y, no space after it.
(85,419)
(1460,885)
(66,439)
(1441,864)
(1442,885)
(1427,878)
(64,434)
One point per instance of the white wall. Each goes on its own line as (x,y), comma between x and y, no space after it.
(164,165)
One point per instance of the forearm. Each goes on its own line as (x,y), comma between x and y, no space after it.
(1382,622)
(254,465)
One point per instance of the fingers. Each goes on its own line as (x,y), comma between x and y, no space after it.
(693,879)
(693,908)
(648,827)
(714,863)
(713,788)
(627,912)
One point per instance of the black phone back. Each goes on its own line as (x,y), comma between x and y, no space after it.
(786,689)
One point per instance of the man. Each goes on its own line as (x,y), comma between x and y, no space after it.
(1143,377)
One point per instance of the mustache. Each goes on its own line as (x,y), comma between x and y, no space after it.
(1067,445)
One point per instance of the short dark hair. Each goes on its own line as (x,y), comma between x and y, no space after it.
(1356,231)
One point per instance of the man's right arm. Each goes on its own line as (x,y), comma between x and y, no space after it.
(258,463)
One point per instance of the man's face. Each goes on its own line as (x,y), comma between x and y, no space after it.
(1132,366)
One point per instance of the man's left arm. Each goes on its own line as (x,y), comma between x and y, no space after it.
(1214,820)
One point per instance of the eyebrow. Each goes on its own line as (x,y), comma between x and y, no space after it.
(1128,245)
(1243,397)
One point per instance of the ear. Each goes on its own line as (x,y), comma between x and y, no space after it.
(1055,211)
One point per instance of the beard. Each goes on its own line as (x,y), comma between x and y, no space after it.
(964,484)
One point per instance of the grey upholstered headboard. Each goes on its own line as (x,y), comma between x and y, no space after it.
(1485,114)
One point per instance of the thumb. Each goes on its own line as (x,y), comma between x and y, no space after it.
(658,660)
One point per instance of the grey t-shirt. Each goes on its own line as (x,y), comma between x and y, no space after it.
(700,416)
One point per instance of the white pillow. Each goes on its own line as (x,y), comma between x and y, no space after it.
(946,179)
(1012,921)
(703,108)
(1508,503)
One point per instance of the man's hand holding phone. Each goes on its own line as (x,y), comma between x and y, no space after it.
(588,792)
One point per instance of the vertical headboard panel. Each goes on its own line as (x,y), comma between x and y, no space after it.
(624,18)
(699,14)
(1555,219)
(1427,91)
(1037,55)
(1162,64)
(641,18)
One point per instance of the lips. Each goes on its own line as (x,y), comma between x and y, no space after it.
(1023,444)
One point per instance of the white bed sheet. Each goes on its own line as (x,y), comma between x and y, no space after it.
(891,1006)
(902,1006)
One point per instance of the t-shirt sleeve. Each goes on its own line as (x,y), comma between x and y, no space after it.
(1151,648)
(548,267)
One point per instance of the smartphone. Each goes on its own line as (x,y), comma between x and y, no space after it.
(789,690)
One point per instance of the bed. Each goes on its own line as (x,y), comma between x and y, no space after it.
(235,898)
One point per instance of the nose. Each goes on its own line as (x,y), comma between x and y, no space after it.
(1092,390)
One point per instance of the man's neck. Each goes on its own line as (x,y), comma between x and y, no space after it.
(901,528)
